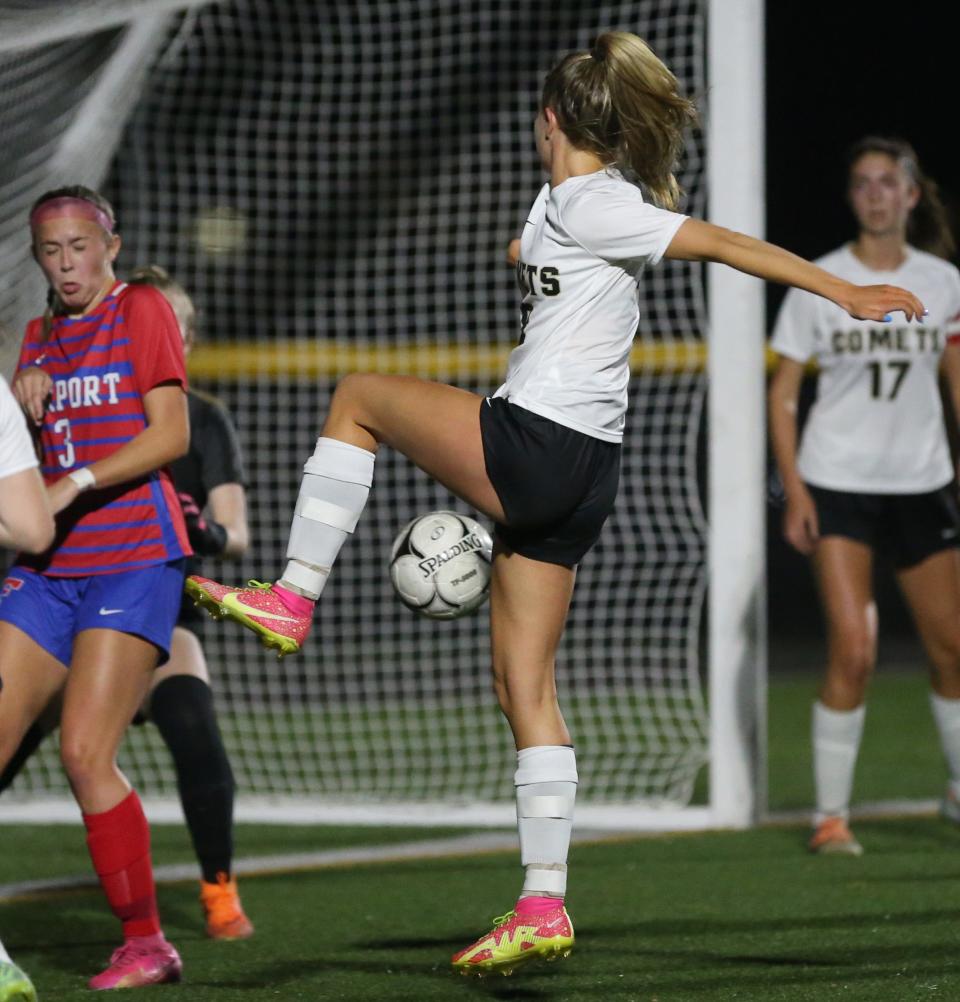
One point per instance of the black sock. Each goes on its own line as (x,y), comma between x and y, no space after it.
(30,743)
(182,708)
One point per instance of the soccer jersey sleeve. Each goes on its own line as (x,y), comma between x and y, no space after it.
(620,227)
(156,346)
(794,333)
(16,447)
(219,449)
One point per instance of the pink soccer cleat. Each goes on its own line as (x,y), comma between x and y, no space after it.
(257,607)
(142,960)
(516,940)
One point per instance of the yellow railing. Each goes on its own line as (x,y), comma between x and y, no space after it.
(319,358)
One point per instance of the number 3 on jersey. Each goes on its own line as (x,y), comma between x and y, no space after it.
(68,457)
(887,388)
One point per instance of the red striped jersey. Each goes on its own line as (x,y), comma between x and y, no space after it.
(102,366)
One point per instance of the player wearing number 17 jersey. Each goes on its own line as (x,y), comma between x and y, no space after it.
(873,470)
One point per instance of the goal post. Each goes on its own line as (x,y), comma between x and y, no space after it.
(737,421)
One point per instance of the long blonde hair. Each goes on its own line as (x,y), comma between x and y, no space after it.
(160,279)
(619,101)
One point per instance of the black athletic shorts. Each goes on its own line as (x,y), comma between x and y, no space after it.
(906,527)
(557,486)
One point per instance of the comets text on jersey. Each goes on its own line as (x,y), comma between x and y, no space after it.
(901,339)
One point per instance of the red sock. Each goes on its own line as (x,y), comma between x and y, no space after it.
(119,844)
(297,604)
(532,905)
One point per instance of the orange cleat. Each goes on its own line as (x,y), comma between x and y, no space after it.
(221,905)
(832,837)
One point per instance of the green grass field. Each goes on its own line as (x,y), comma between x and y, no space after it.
(713,916)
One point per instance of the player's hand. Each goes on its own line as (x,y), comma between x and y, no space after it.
(191,511)
(880,302)
(33,388)
(62,494)
(801,527)
(513,252)
(208,538)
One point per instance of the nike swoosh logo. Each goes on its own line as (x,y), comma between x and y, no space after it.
(232,602)
(109,612)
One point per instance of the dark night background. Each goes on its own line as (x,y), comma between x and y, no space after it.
(836,72)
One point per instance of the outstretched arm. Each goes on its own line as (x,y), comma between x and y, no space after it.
(697,240)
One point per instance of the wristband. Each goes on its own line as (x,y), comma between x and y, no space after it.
(83,478)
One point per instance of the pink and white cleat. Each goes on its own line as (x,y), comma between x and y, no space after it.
(142,960)
(258,607)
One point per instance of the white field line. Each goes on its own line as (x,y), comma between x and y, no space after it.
(861,812)
(461,845)
(438,848)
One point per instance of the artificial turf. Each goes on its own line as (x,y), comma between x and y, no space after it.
(707,916)
(745,915)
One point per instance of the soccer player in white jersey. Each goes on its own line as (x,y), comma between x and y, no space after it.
(541,456)
(873,471)
(26,523)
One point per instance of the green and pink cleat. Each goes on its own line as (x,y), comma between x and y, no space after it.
(279,618)
(517,939)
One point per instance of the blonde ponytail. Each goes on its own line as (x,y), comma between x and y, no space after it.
(620,102)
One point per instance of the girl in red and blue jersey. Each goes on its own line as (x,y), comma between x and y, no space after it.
(93,615)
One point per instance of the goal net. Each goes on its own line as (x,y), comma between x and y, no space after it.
(336,186)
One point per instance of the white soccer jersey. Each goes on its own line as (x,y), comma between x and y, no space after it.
(877,424)
(582,251)
(16,448)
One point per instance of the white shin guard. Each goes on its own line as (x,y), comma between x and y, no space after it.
(333,492)
(546,786)
(836,743)
(946,714)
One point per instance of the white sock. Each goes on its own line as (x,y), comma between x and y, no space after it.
(546,786)
(333,492)
(946,714)
(3,954)
(836,742)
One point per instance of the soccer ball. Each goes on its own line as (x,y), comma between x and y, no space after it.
(440,565)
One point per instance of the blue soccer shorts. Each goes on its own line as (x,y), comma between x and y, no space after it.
(53,610)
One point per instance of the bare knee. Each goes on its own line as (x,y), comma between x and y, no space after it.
(851,664)
(352,390)
(517,691)
(945,660)
(85,763)
(349,418)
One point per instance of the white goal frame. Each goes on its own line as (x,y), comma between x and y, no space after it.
(736,641)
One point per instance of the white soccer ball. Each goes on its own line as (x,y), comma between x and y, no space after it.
(440,565)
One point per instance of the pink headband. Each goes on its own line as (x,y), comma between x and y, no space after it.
(80,208)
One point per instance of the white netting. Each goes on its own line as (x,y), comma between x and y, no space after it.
(336,184)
